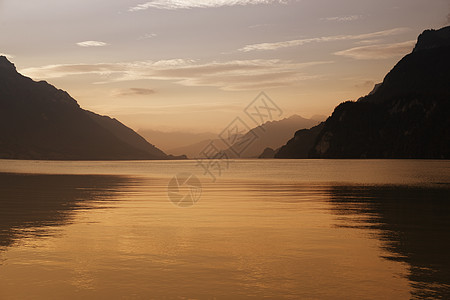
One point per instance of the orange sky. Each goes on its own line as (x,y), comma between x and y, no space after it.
(195,65)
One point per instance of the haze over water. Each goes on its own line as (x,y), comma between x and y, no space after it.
(289,229)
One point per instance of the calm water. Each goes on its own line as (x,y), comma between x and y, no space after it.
(289,229)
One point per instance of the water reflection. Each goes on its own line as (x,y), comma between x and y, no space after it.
(413,224)
(244,239)
(31,205)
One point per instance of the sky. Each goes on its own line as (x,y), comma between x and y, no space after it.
(183,65)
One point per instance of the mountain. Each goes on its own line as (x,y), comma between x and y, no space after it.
(39,121)
(302,143)
(194,150)
(170,141)
(406,116)
(272,134)
(268,153)
(126,134)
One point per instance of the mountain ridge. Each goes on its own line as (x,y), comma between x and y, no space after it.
(271,134)
(406,116)
(39,121)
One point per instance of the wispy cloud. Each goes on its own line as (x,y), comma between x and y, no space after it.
(369,42)
(229,75)
(172,109)
(147,36)
(343,18)
(300,42)
(92,44)
(378,51)
(258,26)
(133,92)
(187,4)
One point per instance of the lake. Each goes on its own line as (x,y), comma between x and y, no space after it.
(273,229)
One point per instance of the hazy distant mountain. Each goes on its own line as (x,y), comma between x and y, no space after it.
(38,121)
(407,116)
(168,141)
(193,150)
(271,134)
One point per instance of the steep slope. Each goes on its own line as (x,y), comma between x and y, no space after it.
(407,116)
(38,121)
(126,134)
(301,144)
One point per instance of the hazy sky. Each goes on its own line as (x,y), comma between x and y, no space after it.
(181,64)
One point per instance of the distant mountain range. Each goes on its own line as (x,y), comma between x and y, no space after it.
(271,134)
(406,116)
(38,121)
(170,141)
(194,150)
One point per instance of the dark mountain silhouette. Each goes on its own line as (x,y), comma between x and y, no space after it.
(38,121)
(406,116)
(301,144)
(268,153)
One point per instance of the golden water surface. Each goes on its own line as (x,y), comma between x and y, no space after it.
(289,229)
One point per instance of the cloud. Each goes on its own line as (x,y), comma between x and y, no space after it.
(258,26)
(188,4)
(147,36)
(133,92)
(92,44)
(378,51)
(343,18)
(300,42)
(228,75)
(369,42)
(169,109)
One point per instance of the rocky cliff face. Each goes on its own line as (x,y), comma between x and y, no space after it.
(39,121)
(407,116)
